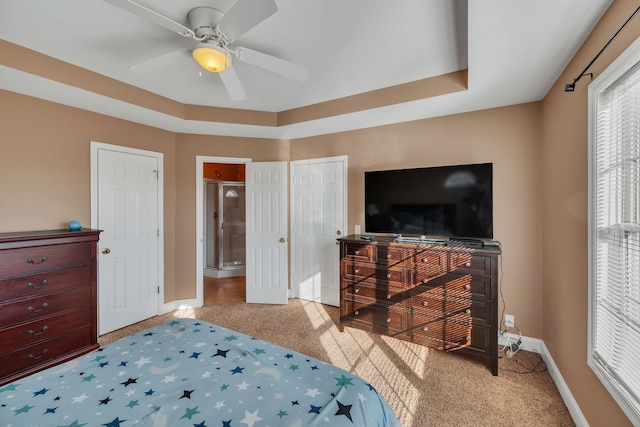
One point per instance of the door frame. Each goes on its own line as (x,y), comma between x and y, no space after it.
(295,287)
(95,147)
(200,161)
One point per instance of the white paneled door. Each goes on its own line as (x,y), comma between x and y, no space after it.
(127,212)
(318,218)
(266,222)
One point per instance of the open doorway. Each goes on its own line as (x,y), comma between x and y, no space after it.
(224,274)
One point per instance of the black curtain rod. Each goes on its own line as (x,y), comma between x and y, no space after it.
(570,87)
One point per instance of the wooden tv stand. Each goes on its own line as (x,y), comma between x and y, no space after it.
(439,294)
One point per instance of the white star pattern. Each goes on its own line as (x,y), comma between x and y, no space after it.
(279,396)
(361,397)
(80,399)
(142,361)
(207,374)
(169,379)
(219,405)
(242,386)
(312,392)
(250,418)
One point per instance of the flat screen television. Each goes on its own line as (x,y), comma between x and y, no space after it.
(447,201)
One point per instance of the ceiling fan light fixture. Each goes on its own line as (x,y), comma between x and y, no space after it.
(212,58)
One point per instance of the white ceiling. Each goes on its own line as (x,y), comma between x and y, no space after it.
(514,51)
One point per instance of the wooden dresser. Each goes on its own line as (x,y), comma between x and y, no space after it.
(48,295)
(440,294)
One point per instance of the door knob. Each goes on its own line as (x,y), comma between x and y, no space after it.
(282,240)
(106,251)
(339,232)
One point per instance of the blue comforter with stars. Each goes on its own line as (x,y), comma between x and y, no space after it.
(187,372)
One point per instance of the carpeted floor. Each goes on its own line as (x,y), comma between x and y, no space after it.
(423,386)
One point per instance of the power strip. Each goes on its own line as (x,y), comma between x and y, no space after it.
(512,346)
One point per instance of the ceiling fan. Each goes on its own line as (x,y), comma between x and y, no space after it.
(215,31)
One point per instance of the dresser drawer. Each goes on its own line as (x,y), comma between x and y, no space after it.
(442,333)
(359,251)
(46,328)
(389,294)
(373,273)
(29,357)
(429,264)
(461,286)
(435,300)
(36,284)
(36,308)
(378,315)
(466,263)
(36,259)
(389,255)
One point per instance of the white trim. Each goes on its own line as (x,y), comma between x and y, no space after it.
(94,148)
(538,346)
(200,161)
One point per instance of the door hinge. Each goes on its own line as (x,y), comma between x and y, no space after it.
(158,289)
(158,231)
(157,172)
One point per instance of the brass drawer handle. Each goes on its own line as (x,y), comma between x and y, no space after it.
(44,328)
(468,338)
(388,275)
(425,260)
(425,280)
(31,261)
(32,357)
(467,287)
(424,303)
(388,256)
(468,311)
(356,272)
(388,296)
(33,310)
(467,264)
(32,286)
(356,312)
(356,290)
(426,328)
(356,252)
(388,320)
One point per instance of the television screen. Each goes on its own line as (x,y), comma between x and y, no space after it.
(447,201)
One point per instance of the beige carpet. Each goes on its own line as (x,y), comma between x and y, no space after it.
(424,387)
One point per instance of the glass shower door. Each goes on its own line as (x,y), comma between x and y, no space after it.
(232,228)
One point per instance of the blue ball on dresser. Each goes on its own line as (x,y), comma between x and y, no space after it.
(75,225)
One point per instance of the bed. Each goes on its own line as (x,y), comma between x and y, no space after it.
(188,372)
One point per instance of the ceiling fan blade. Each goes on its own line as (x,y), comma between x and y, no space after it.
(272,63)
(244,15)
(153,16)
(233,85)
(160,61)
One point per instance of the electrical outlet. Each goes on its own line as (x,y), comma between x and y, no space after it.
(509,320)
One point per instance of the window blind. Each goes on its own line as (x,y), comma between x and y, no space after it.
(615,339)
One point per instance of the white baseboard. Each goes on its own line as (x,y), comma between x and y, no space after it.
(180,305)
(537,346)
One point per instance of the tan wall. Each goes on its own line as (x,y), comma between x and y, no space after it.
(565,186)
(188,147)
(45,166)
(507,137)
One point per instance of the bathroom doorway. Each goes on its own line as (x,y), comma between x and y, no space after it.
(224,231)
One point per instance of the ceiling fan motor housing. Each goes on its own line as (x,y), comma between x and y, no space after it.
(202,20)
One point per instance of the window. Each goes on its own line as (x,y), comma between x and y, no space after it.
(614,230)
